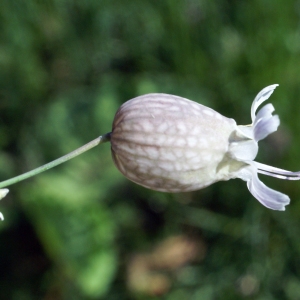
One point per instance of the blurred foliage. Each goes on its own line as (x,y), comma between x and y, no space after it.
(82,231)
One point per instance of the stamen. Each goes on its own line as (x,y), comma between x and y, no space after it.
(276,172)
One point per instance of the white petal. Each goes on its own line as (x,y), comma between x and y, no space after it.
(3,193)
(246,131)
(262,96)
(265,112)
(266,196)
(265,126)
(243,150)
(264,123)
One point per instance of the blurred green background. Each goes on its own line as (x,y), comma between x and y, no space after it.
(82,230)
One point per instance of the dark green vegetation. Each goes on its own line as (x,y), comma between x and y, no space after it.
(82,230)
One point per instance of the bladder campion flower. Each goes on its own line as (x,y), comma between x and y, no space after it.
(171,144)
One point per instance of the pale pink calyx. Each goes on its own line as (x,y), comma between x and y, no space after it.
(170,144)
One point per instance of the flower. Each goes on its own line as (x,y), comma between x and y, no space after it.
(263,124)
(172,144)
(3,193)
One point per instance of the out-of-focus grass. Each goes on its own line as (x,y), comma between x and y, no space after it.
(82,231)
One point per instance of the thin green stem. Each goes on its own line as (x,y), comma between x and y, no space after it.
(54,163)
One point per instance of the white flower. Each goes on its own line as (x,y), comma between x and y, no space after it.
(171,144)
(263,124)
(3,193)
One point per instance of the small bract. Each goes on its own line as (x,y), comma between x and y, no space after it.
(171,144)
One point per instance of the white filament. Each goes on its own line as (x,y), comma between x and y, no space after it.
(276,172)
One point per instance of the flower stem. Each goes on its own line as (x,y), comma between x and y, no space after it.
(101,139)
